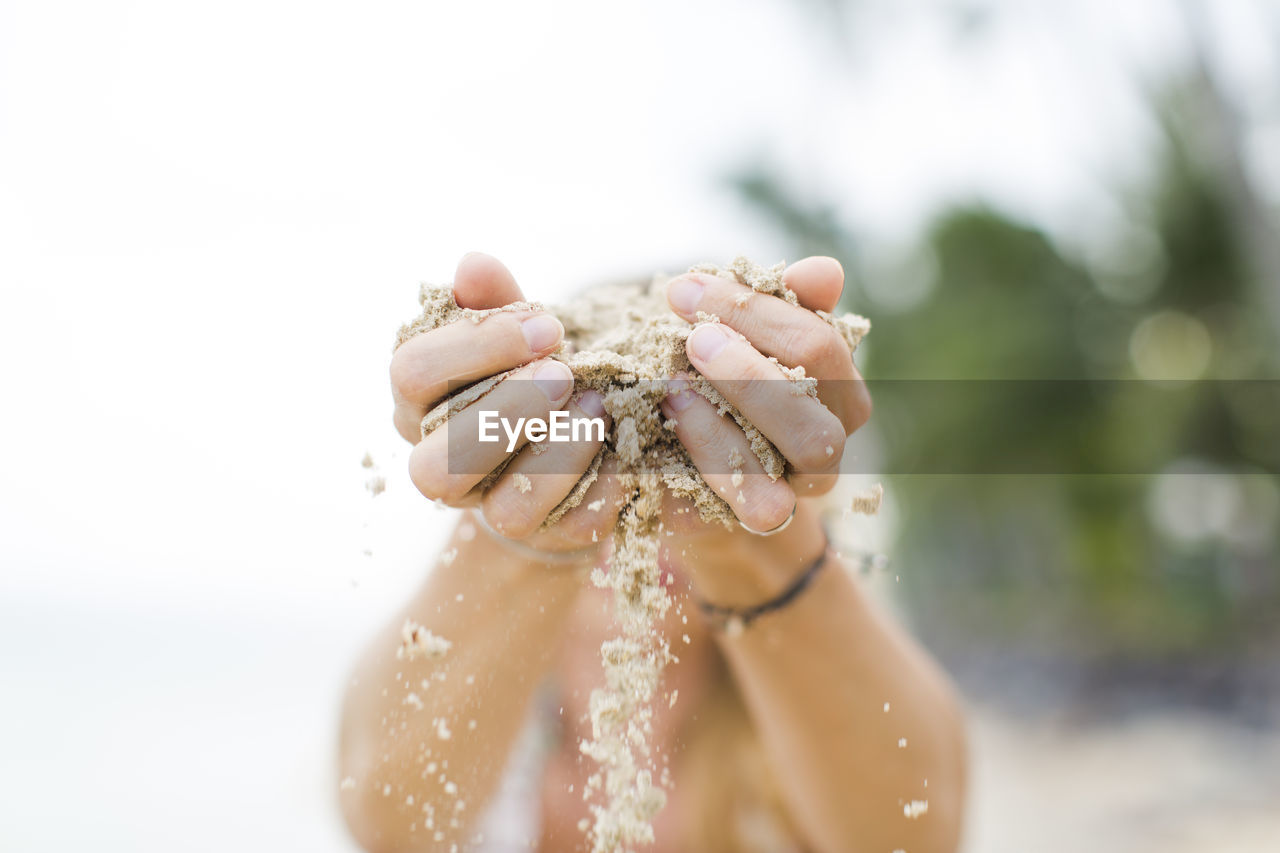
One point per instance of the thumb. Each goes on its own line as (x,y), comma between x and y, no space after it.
(817,282)
(482,281)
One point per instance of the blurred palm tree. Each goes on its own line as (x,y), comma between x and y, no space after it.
(1153,566)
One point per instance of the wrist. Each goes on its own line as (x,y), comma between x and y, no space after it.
(483,547)
(741,569)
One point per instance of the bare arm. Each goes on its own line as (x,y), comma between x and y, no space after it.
(425,739)
(421,736)
(817,677)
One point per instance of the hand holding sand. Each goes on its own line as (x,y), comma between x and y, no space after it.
(511,346)
(758,343)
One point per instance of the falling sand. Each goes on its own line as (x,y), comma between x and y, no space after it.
(625,343)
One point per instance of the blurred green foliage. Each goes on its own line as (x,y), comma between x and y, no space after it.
(1108,567)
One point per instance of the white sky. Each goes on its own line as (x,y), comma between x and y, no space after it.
(213,217)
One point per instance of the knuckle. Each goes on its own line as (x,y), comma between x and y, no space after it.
(816,485)
(501,335)
(818,348)
(820,450)
(408,424)
(428,476)
(770,508)
(758,374)
(798,345)
(455,488)
(811,458)
(506,515)
(703,442)
(429,471)
(825,351)
(408,378)
(809,351)
(862,407)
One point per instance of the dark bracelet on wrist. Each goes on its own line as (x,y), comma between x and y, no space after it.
(732,620)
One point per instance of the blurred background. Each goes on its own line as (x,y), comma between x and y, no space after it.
(213,217)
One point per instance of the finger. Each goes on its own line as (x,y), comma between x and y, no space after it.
(817,282)
(793,335)
(419,378)
(447,468)
(801,427)
(482,281)
(429,365)
(516,506)
(407,418)
(850,401)
(591,521)
(715,442)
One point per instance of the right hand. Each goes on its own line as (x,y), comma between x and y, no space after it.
(427,366)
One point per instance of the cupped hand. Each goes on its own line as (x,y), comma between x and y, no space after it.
(427,367)
(734,355)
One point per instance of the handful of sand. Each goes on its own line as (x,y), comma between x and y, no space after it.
(624,342)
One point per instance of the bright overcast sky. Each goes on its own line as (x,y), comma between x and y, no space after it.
(213,216)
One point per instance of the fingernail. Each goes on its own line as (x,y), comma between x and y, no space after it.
(554,379)
(679,395)
(592,403)
(684,294)
(542,331)
(707,341)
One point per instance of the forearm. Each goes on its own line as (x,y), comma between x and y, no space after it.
(817,677)
(420,736)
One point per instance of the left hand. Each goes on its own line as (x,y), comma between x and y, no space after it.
(810,433)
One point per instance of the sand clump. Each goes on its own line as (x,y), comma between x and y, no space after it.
(868,502)
(915,809)
(624,342)
(375,483)
(418,642)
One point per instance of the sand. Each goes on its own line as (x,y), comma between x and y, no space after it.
(418,642)
(868,502)
(625,343)
(376,483)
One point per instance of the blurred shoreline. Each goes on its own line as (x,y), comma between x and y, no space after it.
(1158,779)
